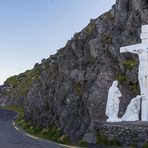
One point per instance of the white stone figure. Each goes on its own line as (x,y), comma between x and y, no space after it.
(112,107)
(142,51)
(133,109)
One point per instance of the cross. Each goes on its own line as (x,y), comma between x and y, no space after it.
(142,51)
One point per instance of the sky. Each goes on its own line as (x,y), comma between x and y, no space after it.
(31,30)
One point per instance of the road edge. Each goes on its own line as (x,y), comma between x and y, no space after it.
(18,128)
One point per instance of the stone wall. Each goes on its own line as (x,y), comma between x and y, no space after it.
(126,133)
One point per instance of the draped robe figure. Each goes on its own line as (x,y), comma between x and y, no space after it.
(112,107)
(133,109)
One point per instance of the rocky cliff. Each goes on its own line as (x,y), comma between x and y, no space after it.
(70,88)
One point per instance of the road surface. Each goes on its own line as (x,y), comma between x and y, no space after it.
(11,138)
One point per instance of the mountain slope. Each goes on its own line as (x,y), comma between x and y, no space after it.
(70,88)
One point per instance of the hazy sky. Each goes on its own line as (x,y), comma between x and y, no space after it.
(31,30)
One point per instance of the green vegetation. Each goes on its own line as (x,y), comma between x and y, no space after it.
(101,139)
(121,78)
(145,145)
(107,39)
(79,89)
(50,133)
(19,110)
(129,64)
(23,81)
(90,28)
(82,144)
(135,87)
(23,77)
(108,16)
(13,81)
(133,146)
(130,33)
(24,87)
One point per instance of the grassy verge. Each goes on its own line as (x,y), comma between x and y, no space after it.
(101,139)
(51,133)
(145,145)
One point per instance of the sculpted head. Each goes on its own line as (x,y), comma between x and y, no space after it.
(141,51)
(138,97)
(115,83)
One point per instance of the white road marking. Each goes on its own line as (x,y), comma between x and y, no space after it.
(39,138)
(67,146)
(25,134)
(15,126)
(32,136)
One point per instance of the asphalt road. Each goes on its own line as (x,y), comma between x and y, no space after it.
(12,138)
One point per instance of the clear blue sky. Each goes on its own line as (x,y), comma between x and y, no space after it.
(31,30)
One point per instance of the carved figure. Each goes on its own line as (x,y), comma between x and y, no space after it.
(142,51)
(112,107)
(133,109)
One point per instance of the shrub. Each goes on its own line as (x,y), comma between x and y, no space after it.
(90,28)
(145,145)
(129,64)
(121,78)
(101,139)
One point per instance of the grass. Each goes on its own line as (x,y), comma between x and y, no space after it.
(108,15)
(145,145)
(90,29)
(19,110)
(82,144)
(79,89)
(135,88)
(121,78)
(129,64)
(101,139)
(23,81)
(51,133)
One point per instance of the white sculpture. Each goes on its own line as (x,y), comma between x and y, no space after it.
(142,51)
(112,107)
(133,109)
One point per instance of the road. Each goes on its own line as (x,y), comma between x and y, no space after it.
(11,138)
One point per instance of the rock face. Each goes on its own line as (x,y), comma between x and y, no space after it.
(70,88)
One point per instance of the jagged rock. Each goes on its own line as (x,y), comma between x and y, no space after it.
(90,136)
(132,76)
